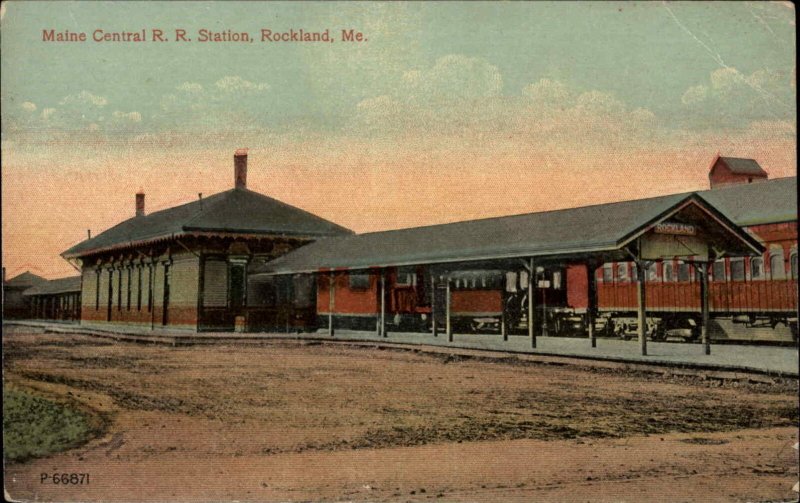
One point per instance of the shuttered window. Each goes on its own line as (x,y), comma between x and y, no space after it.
(215,284)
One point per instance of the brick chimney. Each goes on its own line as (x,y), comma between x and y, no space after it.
(240,168)
(140,204)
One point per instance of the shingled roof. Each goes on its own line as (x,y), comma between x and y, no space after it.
(770,201)
(25,280)
(69,284)
(742,166)
(568,231)
(237,211)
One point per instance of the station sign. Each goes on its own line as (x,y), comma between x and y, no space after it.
(676,229)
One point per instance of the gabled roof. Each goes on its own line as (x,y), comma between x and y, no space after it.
(742,166)
(588,229)
(770,201)
(25,280)
(234,211)
(71,284)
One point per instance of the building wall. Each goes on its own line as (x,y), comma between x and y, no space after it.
(348,300)
(720,176)
(126,307)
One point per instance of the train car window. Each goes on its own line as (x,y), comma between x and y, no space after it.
(776,267)
(406,276)
(652,272)
(511,282)
(523,280)
(684,272)
(719,270)
(608,273)
(737,270)
(622,272)
(359,281)
(793,261)
(757,268)
(669,272)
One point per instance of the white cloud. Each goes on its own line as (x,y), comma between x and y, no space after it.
(190,87)
(84,98)
(547,92)
(694,94)
(452,77)
(28,106)
(234,84)
(127,116)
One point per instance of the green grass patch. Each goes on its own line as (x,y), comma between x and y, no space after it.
(35,427)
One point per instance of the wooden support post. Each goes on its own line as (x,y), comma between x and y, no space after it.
(433,306)
(704,307)
(447,322)
(503,328)
(331,302)
(591,308)
(531,309)
(382,329)
(642,294)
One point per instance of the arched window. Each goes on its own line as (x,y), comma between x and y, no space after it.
(776,266)
(622,272)
(652,272)
(737,269)
(757,268)
(684,271)
(669,272)
(608,273)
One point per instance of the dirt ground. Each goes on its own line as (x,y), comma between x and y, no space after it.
(292,421)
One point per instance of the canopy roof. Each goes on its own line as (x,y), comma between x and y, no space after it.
(236,211)
(71,284)
(577,232)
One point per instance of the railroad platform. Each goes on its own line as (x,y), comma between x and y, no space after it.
(769,360)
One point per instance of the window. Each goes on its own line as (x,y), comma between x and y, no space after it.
(406,276)
(719,270)
(149,287)
(557,280)
(129,288)
(622,272)
(523,280)
(119,289)
(684,271)
(238,283)
(139,287)
(776,265)
(97,290)
(737,269)
(608,273)
(793,260)
(669,272)
(757,268)
(652,272)
(359,281)
(511,282)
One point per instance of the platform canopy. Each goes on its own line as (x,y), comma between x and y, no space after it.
(681,225)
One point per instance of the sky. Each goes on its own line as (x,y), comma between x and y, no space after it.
(446,111)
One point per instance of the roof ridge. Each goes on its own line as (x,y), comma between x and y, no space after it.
(517,215)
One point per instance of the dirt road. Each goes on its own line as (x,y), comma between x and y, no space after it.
(299,422)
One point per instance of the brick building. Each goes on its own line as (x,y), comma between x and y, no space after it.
(187,267)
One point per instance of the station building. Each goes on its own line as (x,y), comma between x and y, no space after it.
(187,267)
